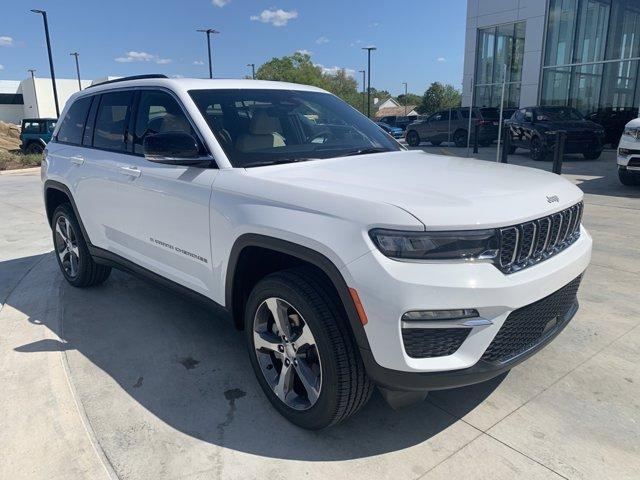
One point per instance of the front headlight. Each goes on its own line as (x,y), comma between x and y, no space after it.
(455,245)
(633,132)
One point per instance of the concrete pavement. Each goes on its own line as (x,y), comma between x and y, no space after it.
(127,380)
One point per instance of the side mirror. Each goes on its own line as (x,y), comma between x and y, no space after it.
(173,148)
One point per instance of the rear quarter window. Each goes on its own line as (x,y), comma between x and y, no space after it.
(72,125)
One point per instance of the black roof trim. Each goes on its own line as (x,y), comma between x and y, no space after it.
(132,77)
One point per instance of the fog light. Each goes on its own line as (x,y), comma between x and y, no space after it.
(430,315)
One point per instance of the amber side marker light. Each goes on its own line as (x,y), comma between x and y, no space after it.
(358,305)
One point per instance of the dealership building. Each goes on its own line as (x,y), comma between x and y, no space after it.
(579,53)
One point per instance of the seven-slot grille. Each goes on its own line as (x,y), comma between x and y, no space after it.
(529,243)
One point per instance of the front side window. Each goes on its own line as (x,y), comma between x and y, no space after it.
(31,127)
(72,124)
(158,112)
(113,116)
(260,127)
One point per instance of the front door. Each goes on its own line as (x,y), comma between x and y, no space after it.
(168,221)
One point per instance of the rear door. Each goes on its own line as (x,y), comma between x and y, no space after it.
(165,225)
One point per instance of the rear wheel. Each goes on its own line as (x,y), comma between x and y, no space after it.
(72,253)
(302,351)
(460,138)
(34,149)
(594,155)
(628,178)
(435,143)
(413,139)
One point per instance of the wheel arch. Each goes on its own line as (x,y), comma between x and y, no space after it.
(243,273)
(56,193)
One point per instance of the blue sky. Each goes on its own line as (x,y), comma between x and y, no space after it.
(419,41)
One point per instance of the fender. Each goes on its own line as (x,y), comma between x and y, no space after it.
(303,253)
(55,185)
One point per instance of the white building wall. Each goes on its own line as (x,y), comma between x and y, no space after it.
(38,95)
(10,113)
(487,13)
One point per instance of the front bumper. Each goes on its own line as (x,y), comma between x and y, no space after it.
(389,288)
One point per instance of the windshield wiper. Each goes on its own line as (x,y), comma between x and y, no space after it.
(277,161)
(364,151)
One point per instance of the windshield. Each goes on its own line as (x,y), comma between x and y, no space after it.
(262,127)
(558,114)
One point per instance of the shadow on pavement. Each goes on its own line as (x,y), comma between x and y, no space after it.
(192,373)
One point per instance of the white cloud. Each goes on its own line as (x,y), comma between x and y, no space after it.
(1,67)
(198,62)
(357,42)
(322,40)
(6,41)
(220,3)
(375,24)
(441,59)
(304,51)
(133,56)
(334,70)
(278,18)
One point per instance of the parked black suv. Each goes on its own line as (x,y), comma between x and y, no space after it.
(536,128)
(613,121)
(439,127)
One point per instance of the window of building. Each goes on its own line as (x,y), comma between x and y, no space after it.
(592,55)
(499,57)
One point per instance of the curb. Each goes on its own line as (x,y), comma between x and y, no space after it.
(19,170)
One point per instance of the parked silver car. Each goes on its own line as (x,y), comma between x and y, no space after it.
(440,127)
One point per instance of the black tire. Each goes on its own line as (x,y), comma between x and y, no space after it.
(413,139)
(34,149)
(460,138)
(592,155)
(345,387)
(434,143)
(631,179)
(538,151)
(87,273)
(512,149)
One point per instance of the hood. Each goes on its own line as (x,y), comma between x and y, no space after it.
(442,192)
(633,123)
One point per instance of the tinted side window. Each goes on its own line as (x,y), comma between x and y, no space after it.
(158,112)
(113,116)
(528,115)
(31,127)
(72,124)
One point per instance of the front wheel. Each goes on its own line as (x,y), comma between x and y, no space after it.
(538,151)
(628,178)
(34,149)
(302,351)
(594,155)
(413,139)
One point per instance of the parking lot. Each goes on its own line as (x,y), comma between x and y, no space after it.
(127,380)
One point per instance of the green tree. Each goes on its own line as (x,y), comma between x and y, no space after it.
(298,68)
(411,99)
(438,97)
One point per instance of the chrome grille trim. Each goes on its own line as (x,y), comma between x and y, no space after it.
(531,242)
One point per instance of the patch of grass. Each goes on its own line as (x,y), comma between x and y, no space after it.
(13,160)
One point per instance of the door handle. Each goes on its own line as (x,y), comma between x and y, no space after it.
(130,171)
(77,159)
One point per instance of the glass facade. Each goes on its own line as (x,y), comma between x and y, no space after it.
(500,49)
(592,55)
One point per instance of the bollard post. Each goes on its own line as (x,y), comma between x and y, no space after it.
(558,152)
(476,134)
(506,143)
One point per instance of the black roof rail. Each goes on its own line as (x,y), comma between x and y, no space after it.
(132,77)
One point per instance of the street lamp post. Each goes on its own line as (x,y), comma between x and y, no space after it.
(253,70)
(363,92)
(76,54)
(32,71)
(405,98)
(368,49)
(53,75)
(209,31)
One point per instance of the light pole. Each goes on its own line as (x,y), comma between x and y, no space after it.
(76,54)
(32,72)
(405,98)
(209,31)
(53,75)
(363,93)
(253,70)
(35,91)
(368,49)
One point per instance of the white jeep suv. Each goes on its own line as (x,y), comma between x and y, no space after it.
(629,154)
(347,260)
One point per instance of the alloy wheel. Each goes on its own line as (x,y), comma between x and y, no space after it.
(287,353)
(67,246)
